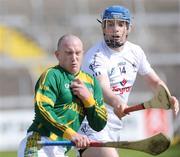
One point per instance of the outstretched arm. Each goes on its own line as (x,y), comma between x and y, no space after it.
(154,81)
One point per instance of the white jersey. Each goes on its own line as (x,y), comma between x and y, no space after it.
(121,69)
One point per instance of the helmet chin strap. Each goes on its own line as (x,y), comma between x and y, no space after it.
(113,44)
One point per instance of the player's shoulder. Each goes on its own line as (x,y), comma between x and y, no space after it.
(53,71)
(133,46)
(84,74)
(86,77)
(47,74)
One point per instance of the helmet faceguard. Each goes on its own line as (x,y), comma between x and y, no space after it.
(115,38)
(112,17)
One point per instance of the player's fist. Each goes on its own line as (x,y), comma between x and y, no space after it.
(80,90)
(81,141)
(174,104)
(119,110)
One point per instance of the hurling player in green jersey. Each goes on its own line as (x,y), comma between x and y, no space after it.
(64,95)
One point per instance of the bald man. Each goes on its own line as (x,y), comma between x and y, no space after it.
(64,95)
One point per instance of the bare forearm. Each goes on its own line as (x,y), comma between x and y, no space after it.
(154,81)
(111,99)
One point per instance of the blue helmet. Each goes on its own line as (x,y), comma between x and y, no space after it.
(117,12)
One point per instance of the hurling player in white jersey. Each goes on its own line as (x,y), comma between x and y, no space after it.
(115,62)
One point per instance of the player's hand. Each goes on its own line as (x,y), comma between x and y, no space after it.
(80,90)
(174,105)
(119,110)
(81,141)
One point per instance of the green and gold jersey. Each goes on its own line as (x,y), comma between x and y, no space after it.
(59,113)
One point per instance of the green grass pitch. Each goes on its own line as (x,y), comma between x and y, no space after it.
(173,151)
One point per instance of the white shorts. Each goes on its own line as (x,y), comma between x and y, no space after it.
(111,131)
(46,151)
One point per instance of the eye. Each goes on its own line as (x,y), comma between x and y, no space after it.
(78,53)
(121,23)
(110,23)
(68,52)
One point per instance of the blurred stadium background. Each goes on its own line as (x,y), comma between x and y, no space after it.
(29,30)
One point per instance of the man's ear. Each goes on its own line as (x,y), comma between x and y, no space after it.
(56,53)
(129,29)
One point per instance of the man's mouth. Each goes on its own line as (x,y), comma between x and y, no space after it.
(116,37)
(74,65)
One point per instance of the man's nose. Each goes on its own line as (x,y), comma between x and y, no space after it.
(116,28)
(73,57)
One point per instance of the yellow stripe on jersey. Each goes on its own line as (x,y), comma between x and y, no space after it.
(102,117)
(85,78)
(53,136)
(89,102)
(102,109)
(43,77)
(102,114)
(70,122)
(49,118)
(69,133)
(42,98)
